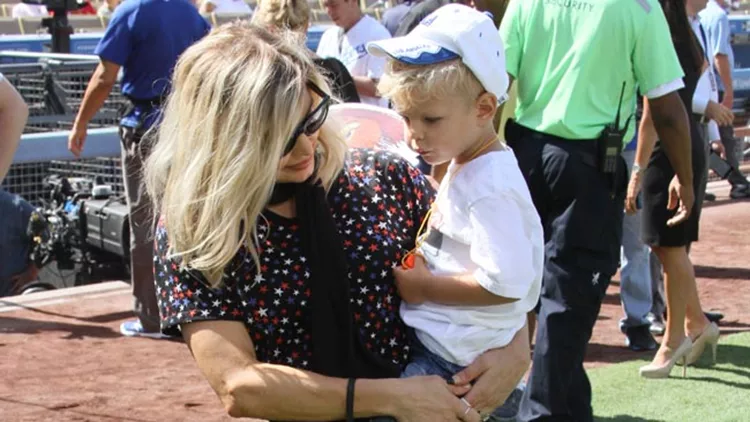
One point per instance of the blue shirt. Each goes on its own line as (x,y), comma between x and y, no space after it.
(145,37)
(630,146)
(715,23)
(14,244)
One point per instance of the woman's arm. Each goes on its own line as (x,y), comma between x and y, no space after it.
(225,355)
(13,115)
(644,148)
(647,136)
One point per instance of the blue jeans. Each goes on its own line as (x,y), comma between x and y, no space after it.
(635,274)
(423,362)
(15,213)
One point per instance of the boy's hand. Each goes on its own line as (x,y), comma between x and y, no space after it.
(411,282)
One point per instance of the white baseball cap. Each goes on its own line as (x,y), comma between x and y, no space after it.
(448,33)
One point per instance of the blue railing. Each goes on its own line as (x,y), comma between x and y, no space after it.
(86,43)
(53,146)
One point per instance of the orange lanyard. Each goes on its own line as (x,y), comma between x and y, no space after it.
(408,260)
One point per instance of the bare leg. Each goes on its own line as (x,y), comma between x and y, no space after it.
(679,281)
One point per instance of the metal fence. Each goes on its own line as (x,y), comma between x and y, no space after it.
(53,90)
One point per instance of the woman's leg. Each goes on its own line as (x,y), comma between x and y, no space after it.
(679,280)
(695,319)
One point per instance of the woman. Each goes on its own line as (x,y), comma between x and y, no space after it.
(275,248)
(688,331)
(294,15)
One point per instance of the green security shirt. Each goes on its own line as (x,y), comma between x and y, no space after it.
(571,57)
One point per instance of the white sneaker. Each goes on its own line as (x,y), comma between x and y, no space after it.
(134,328)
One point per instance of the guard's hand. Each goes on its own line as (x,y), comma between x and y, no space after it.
(634,188)
(682,196)
(77,139)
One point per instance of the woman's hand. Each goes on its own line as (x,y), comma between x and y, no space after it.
(681,196)
(634,188)
(429,399)
(720,114)
(495,373)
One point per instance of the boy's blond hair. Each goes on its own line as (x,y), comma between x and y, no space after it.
(408,85)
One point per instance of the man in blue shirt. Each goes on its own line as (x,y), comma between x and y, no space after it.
(715,21)
(144,39)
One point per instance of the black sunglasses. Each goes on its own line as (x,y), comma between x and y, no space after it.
(313,121)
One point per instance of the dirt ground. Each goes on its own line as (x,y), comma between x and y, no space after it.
(68,362)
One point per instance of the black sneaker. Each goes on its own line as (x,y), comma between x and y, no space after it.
(714,316)
(739,191)
(639,338)
(709,197)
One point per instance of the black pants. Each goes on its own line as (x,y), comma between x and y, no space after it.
(733,148)
(582,229)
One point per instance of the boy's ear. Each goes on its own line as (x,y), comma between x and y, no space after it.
(486,106)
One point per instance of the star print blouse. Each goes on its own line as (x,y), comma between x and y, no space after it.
(377,201)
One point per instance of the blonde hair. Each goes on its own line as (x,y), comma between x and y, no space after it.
(413,85)
(236,99)
(285,14)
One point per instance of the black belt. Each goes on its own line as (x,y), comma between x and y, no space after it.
(149,102)
(515,131)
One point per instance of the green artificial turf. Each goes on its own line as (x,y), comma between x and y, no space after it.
(709,393)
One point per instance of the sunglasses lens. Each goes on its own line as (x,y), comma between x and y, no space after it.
(312,123)
(316,121)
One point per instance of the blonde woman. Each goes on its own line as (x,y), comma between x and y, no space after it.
(294,15)
(275,247)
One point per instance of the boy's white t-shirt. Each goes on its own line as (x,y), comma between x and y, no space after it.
(484,223)
(350,49)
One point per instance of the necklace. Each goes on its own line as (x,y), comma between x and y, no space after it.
(408,260)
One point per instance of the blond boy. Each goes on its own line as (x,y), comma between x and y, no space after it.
(479,263)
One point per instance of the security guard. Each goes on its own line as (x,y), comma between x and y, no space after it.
(576,63)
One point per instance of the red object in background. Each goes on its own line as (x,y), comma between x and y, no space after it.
(87,9)
(368,126)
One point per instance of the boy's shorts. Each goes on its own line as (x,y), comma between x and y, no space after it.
(423,362)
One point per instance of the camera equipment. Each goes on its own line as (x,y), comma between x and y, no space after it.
(57,24)
(80,233)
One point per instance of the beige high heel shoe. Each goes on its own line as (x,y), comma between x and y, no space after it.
(710,337)
(662,371)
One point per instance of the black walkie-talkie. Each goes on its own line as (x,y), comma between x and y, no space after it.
(610,143)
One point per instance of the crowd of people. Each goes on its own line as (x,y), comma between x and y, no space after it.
(367,289)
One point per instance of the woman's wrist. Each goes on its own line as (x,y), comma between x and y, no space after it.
(637,170)
(376,397)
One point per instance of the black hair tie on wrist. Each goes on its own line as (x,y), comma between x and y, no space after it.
(350,400)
